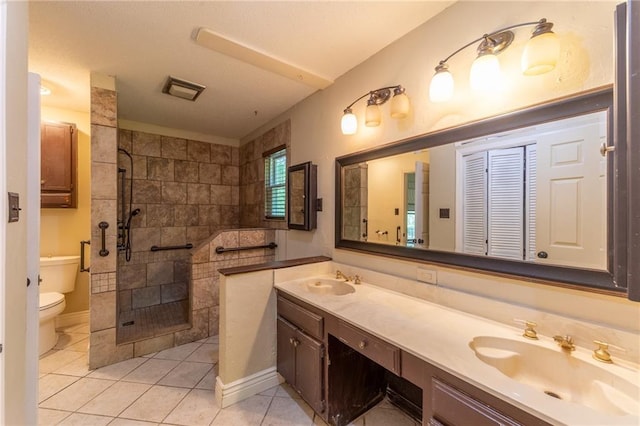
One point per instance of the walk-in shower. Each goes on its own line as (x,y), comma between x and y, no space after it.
(152,284)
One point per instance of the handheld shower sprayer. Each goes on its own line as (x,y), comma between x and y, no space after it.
(124,223)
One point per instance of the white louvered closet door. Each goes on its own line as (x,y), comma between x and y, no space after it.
(505,230)
(530,202)
(474,227)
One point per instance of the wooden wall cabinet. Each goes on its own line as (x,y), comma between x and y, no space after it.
(58,165)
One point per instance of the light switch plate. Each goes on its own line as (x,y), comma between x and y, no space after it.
(14,207)
(429,276)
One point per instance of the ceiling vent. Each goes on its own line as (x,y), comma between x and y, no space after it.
(182,88)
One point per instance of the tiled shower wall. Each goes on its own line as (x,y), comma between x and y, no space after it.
(205,282)
(355,202)
(186,191)
(252,176)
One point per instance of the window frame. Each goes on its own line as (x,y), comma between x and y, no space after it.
(271,182)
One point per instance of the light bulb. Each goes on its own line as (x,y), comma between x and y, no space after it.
(485,73)
(540,54)
(372,116)
(349,123)
(441,87)
(399,103)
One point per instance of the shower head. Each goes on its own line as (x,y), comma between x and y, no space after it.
(135,212)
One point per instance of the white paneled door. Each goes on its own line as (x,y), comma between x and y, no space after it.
(571,198)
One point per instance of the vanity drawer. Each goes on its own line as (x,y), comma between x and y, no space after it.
(456,408)
(370,346)
(311,323)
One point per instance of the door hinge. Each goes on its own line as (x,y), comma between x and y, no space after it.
(322,352)
(1,348)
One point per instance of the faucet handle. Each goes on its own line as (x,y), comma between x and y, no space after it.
(601,353)
(357,279)
(529,331)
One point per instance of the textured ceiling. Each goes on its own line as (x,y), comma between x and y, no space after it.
(141,43)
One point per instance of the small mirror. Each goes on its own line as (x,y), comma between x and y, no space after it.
(301,196)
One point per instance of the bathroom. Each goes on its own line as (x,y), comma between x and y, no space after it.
(586,63)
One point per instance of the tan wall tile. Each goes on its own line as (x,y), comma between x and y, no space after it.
(174,148)
(198,151)
(160,169)
(186,171)
(104,142)
(103,311)
(104,351)
(104,108)
(147,144)
(155,344)
(174,192)
(210,173)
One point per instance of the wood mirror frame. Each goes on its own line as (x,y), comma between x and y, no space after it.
(613,280)
(301,196)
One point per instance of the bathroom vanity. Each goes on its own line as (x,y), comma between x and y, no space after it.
(339,370)
(342,351)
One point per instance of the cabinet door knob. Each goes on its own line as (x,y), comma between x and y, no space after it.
(362,344)
(42,182)
(296,342)
(291,340)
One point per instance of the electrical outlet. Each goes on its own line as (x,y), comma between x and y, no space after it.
(429,276)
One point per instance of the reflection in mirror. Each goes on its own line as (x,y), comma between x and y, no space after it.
(530,188)
(536,194)
(301,196)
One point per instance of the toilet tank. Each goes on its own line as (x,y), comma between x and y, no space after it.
(58,273)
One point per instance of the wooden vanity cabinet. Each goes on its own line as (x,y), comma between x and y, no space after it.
(450,401)
(301,354)
(58,165)
(339,370)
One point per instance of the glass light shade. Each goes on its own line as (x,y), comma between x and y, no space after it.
(441,87)
(485,73)
(349,123)
(399,105)
(372,116)
(540,54)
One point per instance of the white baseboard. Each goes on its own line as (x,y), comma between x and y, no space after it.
(236,391)
(72,318)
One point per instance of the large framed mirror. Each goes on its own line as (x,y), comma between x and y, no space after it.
(531,193)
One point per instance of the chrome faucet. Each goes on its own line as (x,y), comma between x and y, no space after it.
(565,342)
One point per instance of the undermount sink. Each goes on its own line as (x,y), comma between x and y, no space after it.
(562,375)
(329,286)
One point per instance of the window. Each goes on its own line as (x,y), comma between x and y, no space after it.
(275,175)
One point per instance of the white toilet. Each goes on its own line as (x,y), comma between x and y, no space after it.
(58,274)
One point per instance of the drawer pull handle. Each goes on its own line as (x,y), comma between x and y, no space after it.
(362,344)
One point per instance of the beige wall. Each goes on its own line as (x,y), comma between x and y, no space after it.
(61,230)
(585,30)
(386,184)
(442,195)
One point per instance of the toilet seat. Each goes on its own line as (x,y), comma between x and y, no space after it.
(50,300)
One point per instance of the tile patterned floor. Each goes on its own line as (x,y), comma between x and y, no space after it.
(172,387)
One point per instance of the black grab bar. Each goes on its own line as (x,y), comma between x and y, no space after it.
(159,248)
(221,249)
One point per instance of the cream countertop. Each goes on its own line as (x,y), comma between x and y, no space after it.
(441,336)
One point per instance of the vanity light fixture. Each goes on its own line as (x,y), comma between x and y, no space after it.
(540,56)
(373,117)
(182,88)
